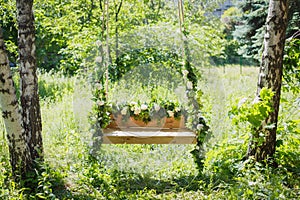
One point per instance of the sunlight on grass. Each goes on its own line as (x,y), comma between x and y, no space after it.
(160,171)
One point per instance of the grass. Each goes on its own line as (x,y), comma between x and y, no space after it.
(156,171)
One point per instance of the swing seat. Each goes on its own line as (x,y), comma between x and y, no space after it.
(165,131)
(148,136)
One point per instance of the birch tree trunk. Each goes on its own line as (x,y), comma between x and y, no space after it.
(30,107)
(20,157)
(270,76)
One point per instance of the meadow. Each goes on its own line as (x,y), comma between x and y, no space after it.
(157,171)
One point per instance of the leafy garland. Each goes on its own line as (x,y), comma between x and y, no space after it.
(196,120)
(147,111)
(139,111)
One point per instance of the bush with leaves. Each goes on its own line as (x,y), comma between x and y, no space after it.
(291,62)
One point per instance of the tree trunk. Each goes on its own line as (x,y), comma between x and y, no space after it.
(30,107)
(19,154)
(270,76)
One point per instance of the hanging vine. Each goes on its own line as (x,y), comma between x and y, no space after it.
(196,120)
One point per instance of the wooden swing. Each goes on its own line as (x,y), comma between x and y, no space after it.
(164,131)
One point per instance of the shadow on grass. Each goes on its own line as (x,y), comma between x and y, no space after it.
(133,182)
(101,182)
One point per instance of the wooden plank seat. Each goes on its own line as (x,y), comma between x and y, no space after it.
(165,131)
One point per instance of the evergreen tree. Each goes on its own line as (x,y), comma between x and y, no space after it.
(249,32)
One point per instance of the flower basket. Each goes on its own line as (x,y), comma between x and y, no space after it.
(166,123)
(152,123)
(172,122)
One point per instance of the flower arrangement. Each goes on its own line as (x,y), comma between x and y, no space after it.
(101,109)
(145,112)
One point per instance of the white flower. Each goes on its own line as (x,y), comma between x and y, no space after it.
(170,113)
(156,107)
(189,85)
(100,103)
(185,72)
(133,105)
(199,126)
(124,110)
(177,109)
(98,59)
(137,110)
(144,107)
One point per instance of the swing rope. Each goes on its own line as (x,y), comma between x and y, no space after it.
(107,63)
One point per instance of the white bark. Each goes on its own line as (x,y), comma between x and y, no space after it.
(270,76)
(30,107)
(10,111)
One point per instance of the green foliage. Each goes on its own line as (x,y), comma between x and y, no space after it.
(254,113)
(291,62)
(250,31)
(54,87)
(158,171)
(293,18)
(101,111)
(8,24)
(156,109)
(66,32)
(41,183)
(229,55)
(141,57)
(8,187)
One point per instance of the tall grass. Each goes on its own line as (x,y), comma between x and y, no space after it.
(154,171)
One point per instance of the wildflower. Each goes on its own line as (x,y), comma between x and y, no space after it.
(156,107)
(137,110)
(100,103)
(144,107)
(133,105)
(199,127)
(170,113)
